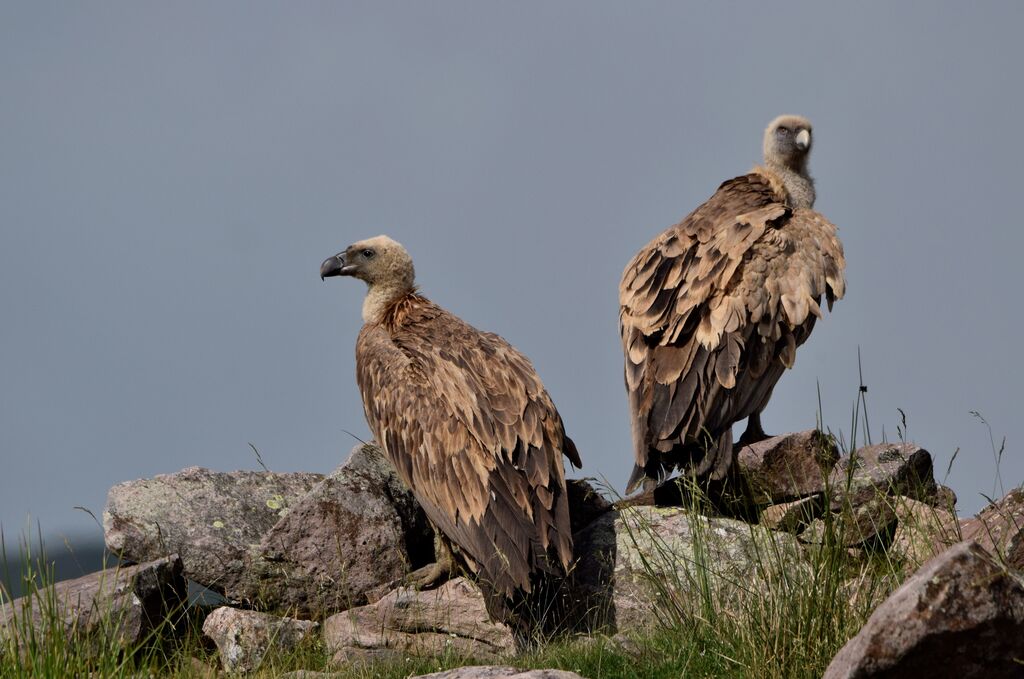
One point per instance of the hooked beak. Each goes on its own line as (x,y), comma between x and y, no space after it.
(336,266)
(803,139)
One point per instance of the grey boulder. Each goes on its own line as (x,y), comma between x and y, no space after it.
(999,528)
(623,554)
(960,616)
(356,530)
(787,467)
(887,469)
(118,606)
(245,638)
(213,520)
(429,622)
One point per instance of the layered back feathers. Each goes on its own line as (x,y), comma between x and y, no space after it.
(711,312)
(464,418)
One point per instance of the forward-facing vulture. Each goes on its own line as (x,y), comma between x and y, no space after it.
(467,424)
(713,309)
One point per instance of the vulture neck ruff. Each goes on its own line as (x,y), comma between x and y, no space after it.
(796,185)
(382,296)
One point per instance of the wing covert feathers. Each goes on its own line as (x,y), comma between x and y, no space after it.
(471,430)
(712,311)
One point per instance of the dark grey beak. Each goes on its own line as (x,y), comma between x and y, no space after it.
(335,266)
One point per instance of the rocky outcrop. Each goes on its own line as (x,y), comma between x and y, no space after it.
(870,524)
(638,559)
(787,467)
(354,531)
(887,469)
(245,638)
(922,532)
(451,617)
(212,520)
(961,615)
(999,528)
(115,608)
(300,543)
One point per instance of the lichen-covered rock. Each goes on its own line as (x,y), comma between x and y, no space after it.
(922,532)
(356,530)
(629,560)
(787,467)
(122,605)
(887,469)
(960,616)
(245,638)
(999,528)
(213,520)
(498,672)
(451,617)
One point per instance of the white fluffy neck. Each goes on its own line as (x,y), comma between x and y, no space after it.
(799,185)
(378,298)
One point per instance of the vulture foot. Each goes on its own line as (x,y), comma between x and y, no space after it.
(754,431)
(434,574)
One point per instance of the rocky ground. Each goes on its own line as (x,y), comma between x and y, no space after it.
(298,556)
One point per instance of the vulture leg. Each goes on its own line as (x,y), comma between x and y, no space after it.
(754,432)
(434,574)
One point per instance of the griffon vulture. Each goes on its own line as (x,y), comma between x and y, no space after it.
(713,309)
(466,422)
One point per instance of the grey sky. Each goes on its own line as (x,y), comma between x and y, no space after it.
(172,174)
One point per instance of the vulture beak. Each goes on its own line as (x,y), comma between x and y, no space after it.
(335,266)
(803,139)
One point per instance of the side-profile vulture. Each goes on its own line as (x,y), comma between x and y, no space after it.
(713,309)
(469,427)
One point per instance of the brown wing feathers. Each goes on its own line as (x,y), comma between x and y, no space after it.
(472,431)
(711,312)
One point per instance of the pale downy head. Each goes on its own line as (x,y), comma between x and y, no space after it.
(787,143)
(382,263)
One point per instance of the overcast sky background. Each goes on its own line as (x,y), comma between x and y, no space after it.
(172,175)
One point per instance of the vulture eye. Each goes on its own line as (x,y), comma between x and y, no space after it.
(368,253)
(782,131)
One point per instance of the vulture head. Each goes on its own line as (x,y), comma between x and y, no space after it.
(379,261)
(787,143)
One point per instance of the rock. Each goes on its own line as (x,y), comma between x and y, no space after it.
(793,516)
(885,469)
(624,553)
(922,532)
(356,530)
(961,615)
(244,638)
(498,672)
(999,528)
(870,524)
(116,607)
(944,498)
(787,467)
(212,519)
(451,617)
